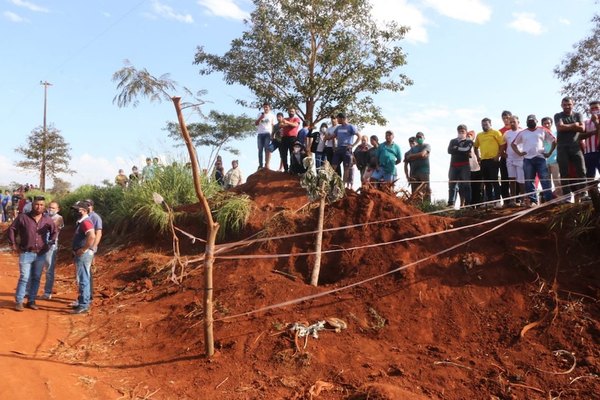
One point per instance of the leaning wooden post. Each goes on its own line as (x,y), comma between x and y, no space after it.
(323,185)
(212,228)
(314,279)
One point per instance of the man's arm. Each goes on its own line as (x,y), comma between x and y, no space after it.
(357,141)
(260,118)
(97,238)
(12,234)
(501,151)
(561,126)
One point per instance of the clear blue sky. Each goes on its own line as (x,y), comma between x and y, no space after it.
(469,59)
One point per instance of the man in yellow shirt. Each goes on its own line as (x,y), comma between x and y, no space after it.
(489,145)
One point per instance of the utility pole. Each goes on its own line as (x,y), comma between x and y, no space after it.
(45,134)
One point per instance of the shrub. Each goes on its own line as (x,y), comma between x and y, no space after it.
(232,212)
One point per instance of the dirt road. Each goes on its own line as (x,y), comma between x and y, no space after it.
(36,346)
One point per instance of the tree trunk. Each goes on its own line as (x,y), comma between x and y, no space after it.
(314,279)
(212,228)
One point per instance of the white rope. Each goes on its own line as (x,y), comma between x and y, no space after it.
(446,250)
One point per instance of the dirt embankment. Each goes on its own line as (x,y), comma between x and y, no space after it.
(449,327)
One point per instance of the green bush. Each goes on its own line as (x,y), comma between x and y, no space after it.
(124,209)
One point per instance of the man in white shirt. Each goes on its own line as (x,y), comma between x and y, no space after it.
(534,158)
(233,177)
(514,162)
(264,128)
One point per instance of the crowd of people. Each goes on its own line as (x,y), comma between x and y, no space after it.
(16,201)
(233,177)
(489,166)
(34,236)
(565,158)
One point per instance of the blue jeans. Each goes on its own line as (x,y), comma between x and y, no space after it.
(83,265)
(380,175)
(319,159)
(30,268)
(458,177)
(538,165)
(50,264)
(262,140)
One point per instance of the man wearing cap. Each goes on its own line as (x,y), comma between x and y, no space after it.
(83,241)
(418,158)
(534,158)
(489,145)
(343,132)
(97,221)
(36,232)
(297,166)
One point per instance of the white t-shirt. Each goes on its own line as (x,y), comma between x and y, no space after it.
(266,124)
(330,131)
(321,145)
(509,136)
(533,141)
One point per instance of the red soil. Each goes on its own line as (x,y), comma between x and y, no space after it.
(445,328)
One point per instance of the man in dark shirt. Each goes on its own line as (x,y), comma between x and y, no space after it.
(459,173)
(37,232)
(569,125)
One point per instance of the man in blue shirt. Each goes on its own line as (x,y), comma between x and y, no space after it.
(344,132)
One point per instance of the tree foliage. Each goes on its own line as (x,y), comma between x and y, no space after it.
(219,130)
(60,186)
(320,56)
(580,69)
(47,153)
(133,83)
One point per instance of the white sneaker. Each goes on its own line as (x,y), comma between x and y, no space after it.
(498,205)
(74,304)
(47,297)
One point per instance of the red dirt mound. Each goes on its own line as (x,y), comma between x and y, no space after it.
(448,327)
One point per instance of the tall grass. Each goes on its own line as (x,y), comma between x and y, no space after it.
(232,213)
(174,183)
(133,209)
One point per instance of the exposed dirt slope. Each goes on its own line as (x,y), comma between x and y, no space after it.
(445,328)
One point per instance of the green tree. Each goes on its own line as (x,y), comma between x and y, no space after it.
(60,186)
(46,152)
(217,133)
(319,56)
(580,69)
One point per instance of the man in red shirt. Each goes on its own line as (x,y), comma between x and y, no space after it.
(289,132)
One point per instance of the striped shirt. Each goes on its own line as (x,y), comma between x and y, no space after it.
(591,144)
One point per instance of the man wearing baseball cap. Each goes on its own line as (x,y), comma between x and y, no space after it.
(83,240)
